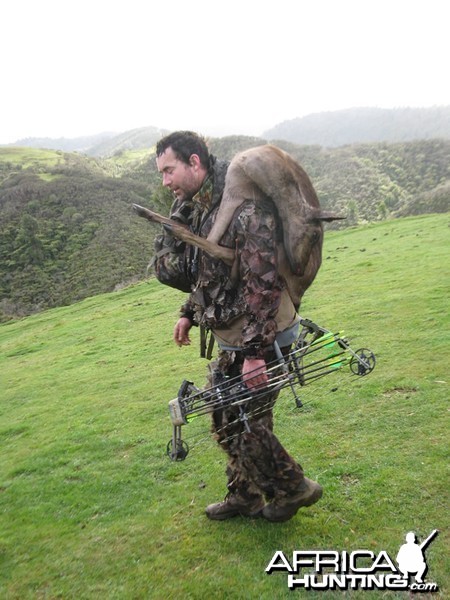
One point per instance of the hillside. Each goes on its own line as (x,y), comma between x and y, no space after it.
(369,182)
(365,125)
(105,144)
(328,129)
(67,230)
(136,139)
(78,144)
(93,508)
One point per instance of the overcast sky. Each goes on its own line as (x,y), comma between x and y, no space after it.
(80,67)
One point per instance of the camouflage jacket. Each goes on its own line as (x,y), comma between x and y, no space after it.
(252,289)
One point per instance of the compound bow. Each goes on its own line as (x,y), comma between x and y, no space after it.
(316,353)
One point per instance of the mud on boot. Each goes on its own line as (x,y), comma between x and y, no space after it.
(284,508)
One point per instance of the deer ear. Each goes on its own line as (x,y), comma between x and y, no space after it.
(326,215)
(316,214)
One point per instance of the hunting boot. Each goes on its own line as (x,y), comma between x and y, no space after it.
(284,508)
(235,505)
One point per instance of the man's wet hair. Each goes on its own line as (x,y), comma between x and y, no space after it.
(184,144)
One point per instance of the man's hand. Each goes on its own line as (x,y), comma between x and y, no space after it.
(254,373)
(181,332)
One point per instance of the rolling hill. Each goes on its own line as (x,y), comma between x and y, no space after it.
(365,125)
(328,129)
(67,230)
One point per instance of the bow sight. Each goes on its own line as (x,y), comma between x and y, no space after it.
(316,353)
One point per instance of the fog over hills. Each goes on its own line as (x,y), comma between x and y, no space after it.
(365,125)
(328,129)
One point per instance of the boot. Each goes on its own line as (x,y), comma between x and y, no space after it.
(234,505)
(285,507)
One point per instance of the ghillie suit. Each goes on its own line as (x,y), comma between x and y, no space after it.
(259,250)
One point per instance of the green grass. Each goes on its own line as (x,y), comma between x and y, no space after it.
(92,508)
(125,160)
(30,157)
(125,157)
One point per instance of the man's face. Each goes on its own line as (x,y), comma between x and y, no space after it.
(184,180)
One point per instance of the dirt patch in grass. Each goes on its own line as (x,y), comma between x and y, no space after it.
(400,390)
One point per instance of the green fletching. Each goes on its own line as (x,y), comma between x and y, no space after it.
(328,337)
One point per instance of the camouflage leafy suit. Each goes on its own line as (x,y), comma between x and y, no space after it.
(245,307)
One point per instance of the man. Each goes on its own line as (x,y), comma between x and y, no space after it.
(249,312)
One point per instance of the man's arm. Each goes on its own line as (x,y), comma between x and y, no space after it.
(262,285)
(262,288)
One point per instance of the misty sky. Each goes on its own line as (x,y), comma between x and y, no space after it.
(80,67)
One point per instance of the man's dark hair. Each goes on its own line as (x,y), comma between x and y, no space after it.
(184,144)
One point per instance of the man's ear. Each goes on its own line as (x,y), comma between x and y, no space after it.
(194,161)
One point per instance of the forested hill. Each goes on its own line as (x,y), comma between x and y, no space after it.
(328,129)
(365,125)
(67,230)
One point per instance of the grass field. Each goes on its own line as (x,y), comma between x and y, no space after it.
(30,157)
(91,507)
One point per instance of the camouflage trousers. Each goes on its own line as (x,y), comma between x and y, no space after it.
(258,465)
